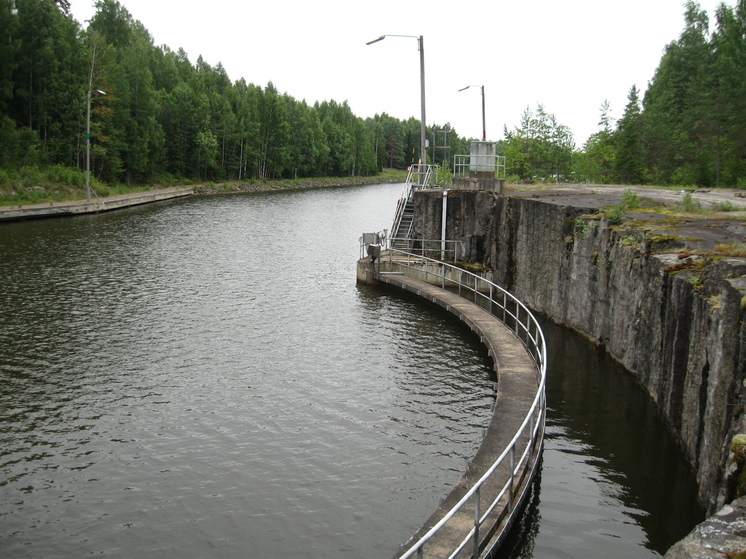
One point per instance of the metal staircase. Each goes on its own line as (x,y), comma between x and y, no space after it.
(420,176)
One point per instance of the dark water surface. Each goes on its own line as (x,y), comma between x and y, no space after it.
(202,378)
(613,481)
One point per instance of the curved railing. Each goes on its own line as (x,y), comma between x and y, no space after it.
(521,452)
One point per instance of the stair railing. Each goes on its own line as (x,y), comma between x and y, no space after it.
(418,177)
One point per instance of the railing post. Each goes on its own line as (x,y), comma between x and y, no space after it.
(512,477)
(475,555)
(414,268)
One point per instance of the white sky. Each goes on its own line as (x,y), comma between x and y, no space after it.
(568,55)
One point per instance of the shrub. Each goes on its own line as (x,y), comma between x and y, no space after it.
(630,199)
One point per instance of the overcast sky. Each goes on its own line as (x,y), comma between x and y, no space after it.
(568,55)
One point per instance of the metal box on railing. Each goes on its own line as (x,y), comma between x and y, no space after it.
(370,238)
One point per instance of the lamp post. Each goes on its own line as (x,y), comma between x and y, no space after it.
(484,125)
(88,145)
(423,132)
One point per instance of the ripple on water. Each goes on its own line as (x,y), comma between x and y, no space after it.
(191,380)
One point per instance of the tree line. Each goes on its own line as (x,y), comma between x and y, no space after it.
(689,127)
(156,116)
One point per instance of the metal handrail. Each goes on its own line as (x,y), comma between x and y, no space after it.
(464,164)
(447,249)
(531,335)
(418,177)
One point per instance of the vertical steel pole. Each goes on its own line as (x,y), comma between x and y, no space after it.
(484,124)
(476,524)
(512,478)
(88,150)
(443,222)
(423,133)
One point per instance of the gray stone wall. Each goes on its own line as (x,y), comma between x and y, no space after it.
(682,337)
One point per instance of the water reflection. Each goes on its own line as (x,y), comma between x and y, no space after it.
(613,480)
(195,379)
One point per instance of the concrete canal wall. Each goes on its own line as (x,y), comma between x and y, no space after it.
(672,317)
(96,205)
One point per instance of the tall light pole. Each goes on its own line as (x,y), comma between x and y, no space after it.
(423,132)
(88,145)
(484,125)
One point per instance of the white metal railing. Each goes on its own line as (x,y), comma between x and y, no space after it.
(464,164)
(418,177)
(521,450)
(431,248)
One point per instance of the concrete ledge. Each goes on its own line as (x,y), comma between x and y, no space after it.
(517,384)
(77,207)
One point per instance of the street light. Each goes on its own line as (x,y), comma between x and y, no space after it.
(484,126)
(88,145)
(423,133)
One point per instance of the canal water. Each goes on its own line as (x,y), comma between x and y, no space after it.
(203,378)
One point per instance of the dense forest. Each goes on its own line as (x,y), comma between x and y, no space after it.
(156,117)
(689,128)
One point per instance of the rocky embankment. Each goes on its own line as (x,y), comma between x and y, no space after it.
(659,283)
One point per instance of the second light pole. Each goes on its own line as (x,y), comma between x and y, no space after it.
(423,131)
(484,124)
(88,144)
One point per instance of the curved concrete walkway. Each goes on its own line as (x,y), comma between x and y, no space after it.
(517,384)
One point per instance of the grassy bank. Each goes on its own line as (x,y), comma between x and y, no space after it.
(265,185)
(33,185)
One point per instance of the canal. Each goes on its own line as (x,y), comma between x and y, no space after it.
(202,378)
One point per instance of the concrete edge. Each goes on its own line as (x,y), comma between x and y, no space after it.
(82,207)
(516,367)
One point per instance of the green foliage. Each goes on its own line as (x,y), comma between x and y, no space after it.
(631,239)
(726,207)
(163,117)
(34,184)
(540,149)
(690,128)
(444,175)
(614,214)
(629,142)
(630,199)
(695,112)
(585,227)
(166,118)
(689,204)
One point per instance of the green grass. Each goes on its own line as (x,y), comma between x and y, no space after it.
(46,185)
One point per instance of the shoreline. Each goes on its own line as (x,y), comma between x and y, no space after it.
(68,208)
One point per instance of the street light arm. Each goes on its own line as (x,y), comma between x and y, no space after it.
(423,129)
(382,37)
(484,125)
